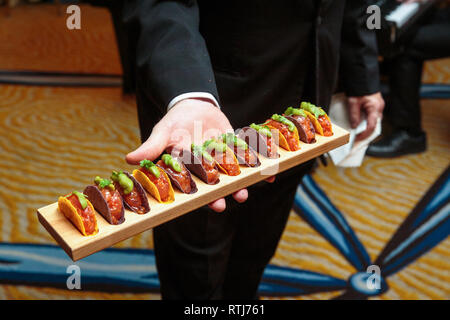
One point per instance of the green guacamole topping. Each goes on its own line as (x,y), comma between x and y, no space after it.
(200,151)
(231,137)
(150,166)
(285,121)
(81,198)
(264,130)
(316,111)
(103,183)
(295,111)
(213,144)
(125,182)
(171,162)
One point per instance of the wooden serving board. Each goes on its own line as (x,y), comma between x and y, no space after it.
(78,246)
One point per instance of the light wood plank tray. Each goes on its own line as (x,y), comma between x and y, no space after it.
(78,246)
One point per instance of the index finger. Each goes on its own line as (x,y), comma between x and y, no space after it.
(371,124)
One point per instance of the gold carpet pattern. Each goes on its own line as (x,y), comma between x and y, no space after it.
(54,140)
(35,37)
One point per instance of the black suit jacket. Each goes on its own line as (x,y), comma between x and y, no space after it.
(257,57)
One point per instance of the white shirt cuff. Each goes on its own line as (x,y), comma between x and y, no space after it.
(190,95)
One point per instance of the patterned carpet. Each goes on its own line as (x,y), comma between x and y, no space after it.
(56,139)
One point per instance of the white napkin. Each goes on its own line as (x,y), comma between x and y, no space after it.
(352,153)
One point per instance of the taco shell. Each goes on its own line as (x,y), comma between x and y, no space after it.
(150,186)
(235,161)
(140,190)
(194,165)
(95,196)
(301,131)
(70,212)
(326,116)
(281,138)
(241,158)
(314,120)
(176,183)
(257,142)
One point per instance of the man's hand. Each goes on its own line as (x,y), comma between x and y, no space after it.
(372,105)
(189,121)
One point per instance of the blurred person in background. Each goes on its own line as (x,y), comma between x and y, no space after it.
(430,40)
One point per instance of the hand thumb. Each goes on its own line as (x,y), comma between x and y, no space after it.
(150,149)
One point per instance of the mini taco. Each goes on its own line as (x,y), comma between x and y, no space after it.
(131,191)
(201,163)
(243,152)
(319,119)
(106,200)
(260,139)
(223,156)
(155,180)
(77,208)
(304,125)
(178,174)
(288,133)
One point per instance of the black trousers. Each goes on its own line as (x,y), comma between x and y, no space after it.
(208,255)
(431,40)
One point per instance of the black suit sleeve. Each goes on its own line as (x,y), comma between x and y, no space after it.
(171,54)
(359,54)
